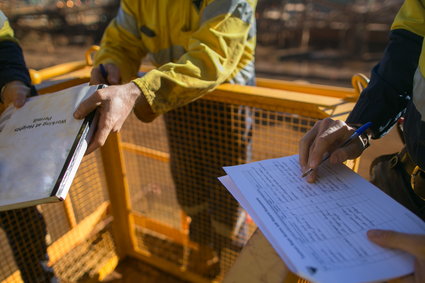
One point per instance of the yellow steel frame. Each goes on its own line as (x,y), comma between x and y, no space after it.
(316,101)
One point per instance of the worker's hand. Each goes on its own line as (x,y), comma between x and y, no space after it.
(113,75)
(15,92)
(412,244)
(325,138)
(114,104)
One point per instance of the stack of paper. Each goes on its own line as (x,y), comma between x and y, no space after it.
(319,230)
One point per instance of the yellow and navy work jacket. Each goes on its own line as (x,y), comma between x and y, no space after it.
(397,85)
(195,44)
(12,64)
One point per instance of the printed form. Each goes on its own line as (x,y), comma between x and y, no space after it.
(319,229)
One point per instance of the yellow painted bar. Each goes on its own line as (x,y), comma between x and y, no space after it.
(333,91)
(14,278)
(55,71)
(118,189)
(106,268)
(147,152)
(69,212)
(359,82)
(274,99)
(78,234)
(178,236)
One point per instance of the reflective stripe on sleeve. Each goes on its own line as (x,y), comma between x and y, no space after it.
(238,8)
(170,54)
(3,19)
(244,75)
(127,22)
(419,93)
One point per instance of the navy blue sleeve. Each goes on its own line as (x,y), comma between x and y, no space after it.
(12,64)
(390,88)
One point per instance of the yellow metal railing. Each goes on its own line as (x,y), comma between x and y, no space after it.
(282,107)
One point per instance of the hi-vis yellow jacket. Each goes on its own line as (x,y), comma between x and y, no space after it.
(411,17)
(195,44)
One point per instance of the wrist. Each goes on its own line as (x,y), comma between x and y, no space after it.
(365,136)
(142,108)
(134,91)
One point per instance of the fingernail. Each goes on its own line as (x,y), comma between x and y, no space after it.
(77,115)
(311,178)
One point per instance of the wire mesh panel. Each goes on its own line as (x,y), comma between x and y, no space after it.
(75,233)
(166,201)
(183,215)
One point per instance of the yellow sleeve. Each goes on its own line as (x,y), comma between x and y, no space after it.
(411,17)
(6,32)
(213,53)
(121,43)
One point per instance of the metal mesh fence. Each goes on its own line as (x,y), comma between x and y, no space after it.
(75,233)
(179,217)
(173,164)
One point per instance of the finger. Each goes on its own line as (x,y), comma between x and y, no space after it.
(317,148)
(104,127)
(305,145)
(332,133)
(312,177)
(89,104)
(16,94)
(20,96)
(96,77)
(114,74)
(410,243)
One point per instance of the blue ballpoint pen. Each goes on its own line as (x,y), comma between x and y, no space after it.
(103,72)
(357,133)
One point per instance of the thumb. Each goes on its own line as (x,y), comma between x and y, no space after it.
(21,96)
(114,74)
(19,101)
(410,243)
(88,105)
(16,93)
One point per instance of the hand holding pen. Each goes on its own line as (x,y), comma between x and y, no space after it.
(328,140)
(105,74)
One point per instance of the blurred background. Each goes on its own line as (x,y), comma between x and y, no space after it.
(323,41)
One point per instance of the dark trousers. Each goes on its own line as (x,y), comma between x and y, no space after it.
(203,137)
(26,231)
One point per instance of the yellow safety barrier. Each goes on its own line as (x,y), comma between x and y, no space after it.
(123,200)
(359,82)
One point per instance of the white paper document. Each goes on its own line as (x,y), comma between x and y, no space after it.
(319,229)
